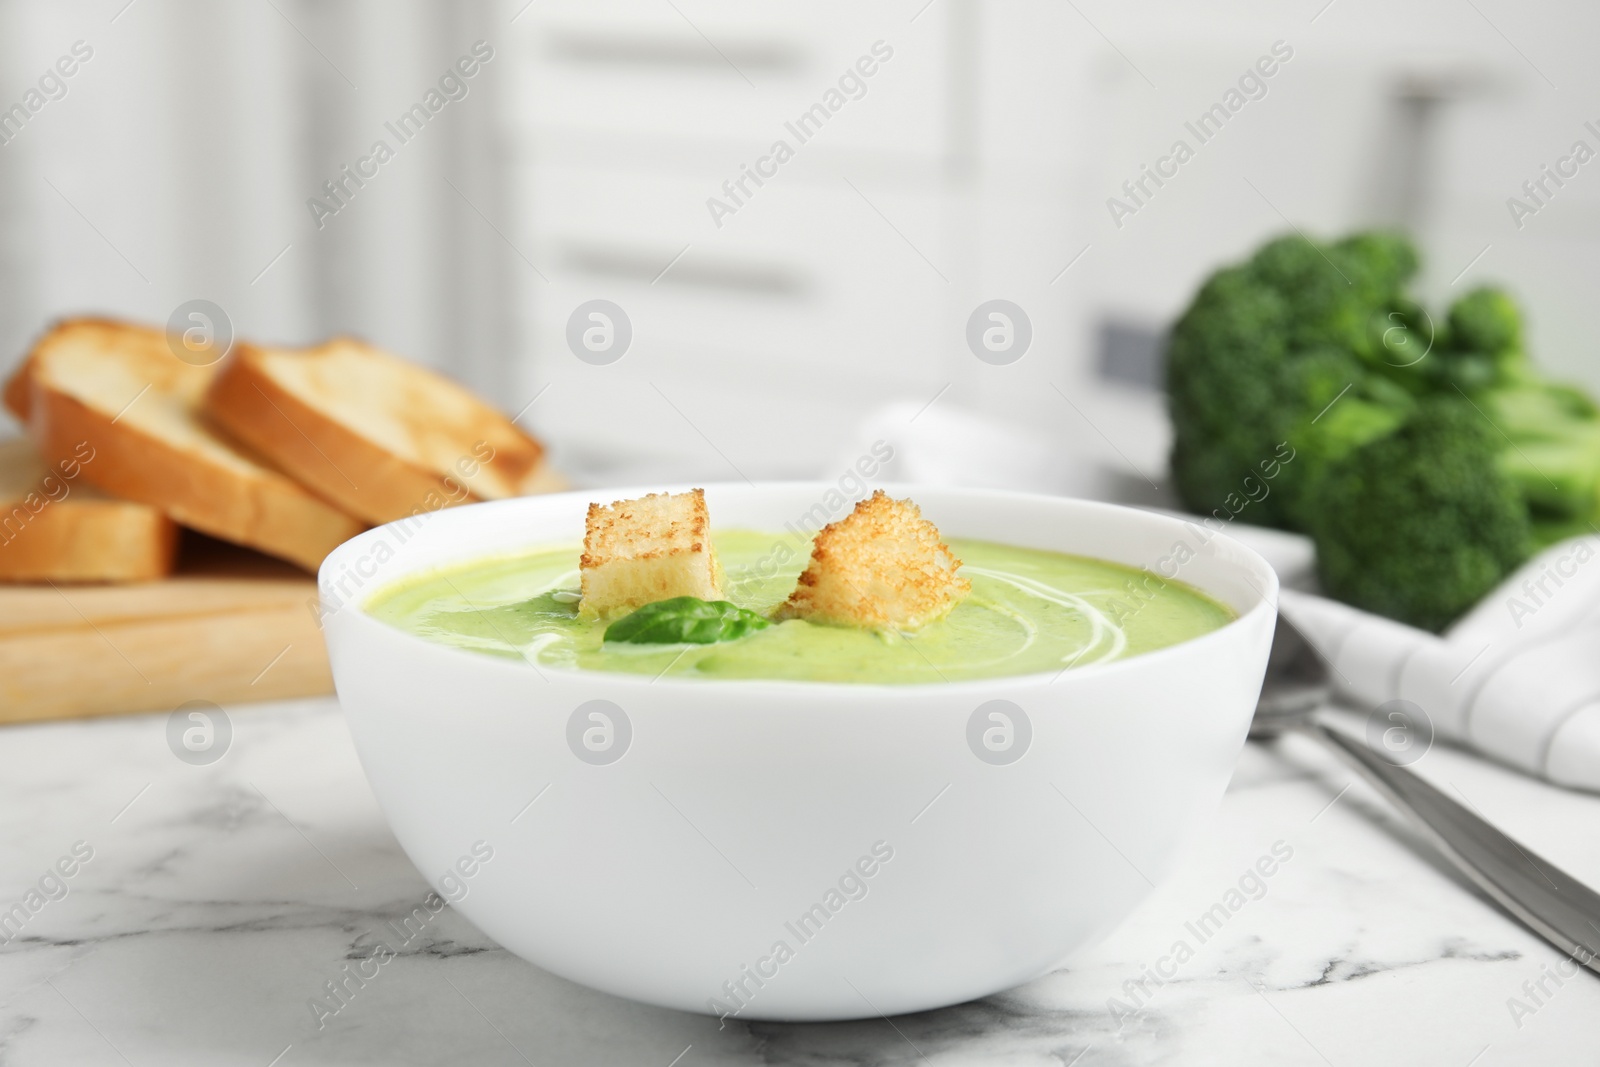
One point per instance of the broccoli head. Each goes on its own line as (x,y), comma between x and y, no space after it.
(1419,524)
(1261,354)
(1429,457)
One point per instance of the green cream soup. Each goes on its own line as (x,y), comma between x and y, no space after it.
(1030,611)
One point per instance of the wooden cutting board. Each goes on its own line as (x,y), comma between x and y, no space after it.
(230,626)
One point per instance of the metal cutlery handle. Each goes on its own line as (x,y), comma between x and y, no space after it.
(1551,902)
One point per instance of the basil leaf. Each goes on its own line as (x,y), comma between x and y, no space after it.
(685,620)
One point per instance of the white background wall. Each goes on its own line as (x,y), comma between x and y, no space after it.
(179,162)
(976,166)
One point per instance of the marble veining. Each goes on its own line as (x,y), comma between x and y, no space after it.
(220,901)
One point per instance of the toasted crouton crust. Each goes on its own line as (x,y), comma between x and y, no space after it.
(883,566)
(657,546)
(646,527)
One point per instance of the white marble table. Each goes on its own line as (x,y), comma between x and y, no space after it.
(219,899)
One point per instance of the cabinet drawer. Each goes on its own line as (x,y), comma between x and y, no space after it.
(725,72)
(806,280)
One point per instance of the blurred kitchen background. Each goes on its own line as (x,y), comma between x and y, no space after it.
(831,306)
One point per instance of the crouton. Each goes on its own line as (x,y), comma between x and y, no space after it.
(883,566)
(636,552)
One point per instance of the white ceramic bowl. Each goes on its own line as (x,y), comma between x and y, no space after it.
(673,874)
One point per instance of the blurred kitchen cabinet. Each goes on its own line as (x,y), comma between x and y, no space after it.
(800,300)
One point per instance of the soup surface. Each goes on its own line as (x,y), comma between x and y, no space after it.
(1030,611)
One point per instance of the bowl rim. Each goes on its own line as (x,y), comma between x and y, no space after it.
(1266,603)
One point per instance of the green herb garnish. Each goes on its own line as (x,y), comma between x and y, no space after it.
(685,620)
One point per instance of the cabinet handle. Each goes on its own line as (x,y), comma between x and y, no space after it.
(705,272)
(674,53)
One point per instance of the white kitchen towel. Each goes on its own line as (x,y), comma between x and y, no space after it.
(1517,678)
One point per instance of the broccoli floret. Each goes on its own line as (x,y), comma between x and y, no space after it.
(1326,306)
(1260,355)
(1477,349)
(1382,262)
(1420,524)
(1486,320)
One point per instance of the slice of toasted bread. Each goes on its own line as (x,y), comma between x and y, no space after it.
(656,547)
(119,391)
(15,395)
(55,526)
(883,566)
(380,437)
